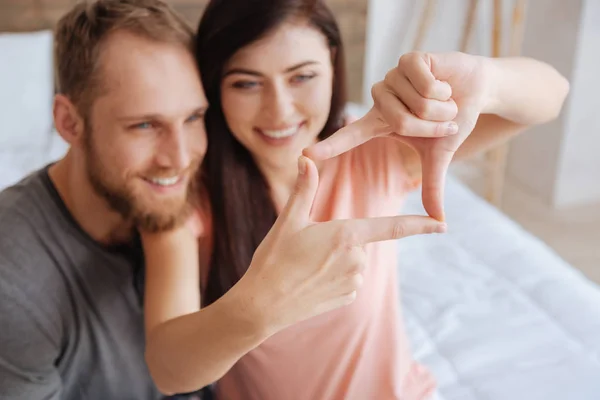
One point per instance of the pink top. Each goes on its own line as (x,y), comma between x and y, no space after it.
(360,351)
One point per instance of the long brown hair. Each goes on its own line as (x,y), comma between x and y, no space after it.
(240,200)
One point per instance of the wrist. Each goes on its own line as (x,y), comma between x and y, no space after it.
(246,310)
(492,73)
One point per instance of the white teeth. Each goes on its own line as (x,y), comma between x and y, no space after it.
(164,181)
(282,133)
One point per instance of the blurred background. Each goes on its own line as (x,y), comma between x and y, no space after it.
(548,179)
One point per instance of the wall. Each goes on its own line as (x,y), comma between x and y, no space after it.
(552,29)
(579,168)
(27,15)
(392,26)
(557,162)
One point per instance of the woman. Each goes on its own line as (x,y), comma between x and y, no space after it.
(273,75)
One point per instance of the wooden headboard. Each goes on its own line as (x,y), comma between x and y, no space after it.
(31,15)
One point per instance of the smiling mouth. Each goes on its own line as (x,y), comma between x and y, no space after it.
(165,182)
(281,133)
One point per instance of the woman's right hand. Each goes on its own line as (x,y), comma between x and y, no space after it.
(303,269)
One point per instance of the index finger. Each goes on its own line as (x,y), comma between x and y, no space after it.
(378,229)
(347,138)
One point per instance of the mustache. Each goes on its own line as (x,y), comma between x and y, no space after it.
(160,173)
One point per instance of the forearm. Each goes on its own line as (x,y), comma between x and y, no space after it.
(192,351)
(525,91)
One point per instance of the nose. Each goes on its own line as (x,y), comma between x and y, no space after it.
(278,103)
(175,149)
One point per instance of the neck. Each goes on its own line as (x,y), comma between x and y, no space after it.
(281,181)
(90,210)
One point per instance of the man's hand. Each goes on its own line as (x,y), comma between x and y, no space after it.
(431,102)
(303,268)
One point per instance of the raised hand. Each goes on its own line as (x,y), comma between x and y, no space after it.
(303,268)
(431,102)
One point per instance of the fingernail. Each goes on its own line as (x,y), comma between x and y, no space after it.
(302,165)
(451,129)
(441,228)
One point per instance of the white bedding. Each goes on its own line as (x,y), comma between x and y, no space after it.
(494,312)
(18,161)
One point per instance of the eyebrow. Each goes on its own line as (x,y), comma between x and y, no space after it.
(199,110)
(255,73)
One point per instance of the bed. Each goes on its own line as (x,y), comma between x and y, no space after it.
(494,312)
(490,309)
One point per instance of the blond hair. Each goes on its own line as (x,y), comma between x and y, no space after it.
(81,33)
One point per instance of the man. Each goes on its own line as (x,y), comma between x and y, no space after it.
(68,260)
(130,105)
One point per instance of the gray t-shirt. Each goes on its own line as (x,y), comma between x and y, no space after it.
(71,324)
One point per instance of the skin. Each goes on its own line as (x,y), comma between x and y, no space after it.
(138,129)
(283,81)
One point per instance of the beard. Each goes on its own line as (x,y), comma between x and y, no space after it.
(135,207)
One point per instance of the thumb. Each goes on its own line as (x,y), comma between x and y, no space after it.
(349,137)
(434,169)
(296,213)
(435,163)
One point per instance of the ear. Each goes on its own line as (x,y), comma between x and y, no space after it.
(67,120)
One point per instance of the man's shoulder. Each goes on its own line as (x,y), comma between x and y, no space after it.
(25,214)
(30,280)
(31,288)
(22,202)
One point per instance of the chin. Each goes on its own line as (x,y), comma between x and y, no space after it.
(161,217)
(160,222)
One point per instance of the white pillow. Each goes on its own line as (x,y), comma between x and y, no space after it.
(26,89)
(18,162)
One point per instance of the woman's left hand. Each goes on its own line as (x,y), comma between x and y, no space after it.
(429,101)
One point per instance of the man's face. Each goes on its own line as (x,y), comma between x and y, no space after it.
(145,136)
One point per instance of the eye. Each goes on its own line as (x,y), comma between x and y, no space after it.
(303,78)
(245,84)
(195,117)
(143,125)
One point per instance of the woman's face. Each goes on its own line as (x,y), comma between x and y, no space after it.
(276,93)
